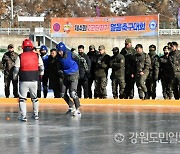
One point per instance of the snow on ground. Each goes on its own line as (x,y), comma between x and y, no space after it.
(109,89)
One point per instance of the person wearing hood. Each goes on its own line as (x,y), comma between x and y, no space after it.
(69,71)
(166,74)
(28,66)
(44,56)
(153,72)
(117,63)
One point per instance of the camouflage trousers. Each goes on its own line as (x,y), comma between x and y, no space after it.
(100,87)
(118,82)
(151,88)
(140,82)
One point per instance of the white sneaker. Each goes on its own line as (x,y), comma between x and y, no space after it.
(77,113)
(22,118)
(35,117)
(71,110)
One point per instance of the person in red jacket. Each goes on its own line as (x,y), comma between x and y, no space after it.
(28,66)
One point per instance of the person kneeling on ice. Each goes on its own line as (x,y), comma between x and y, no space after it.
(28,66)
(69,70)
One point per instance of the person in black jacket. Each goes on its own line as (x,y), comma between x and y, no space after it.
(166,74)
(128,52)
(52,68)
(117,63)
(84,73)
(93,54)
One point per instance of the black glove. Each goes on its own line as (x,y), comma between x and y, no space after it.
(61,74)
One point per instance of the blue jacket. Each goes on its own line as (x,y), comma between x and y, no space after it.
(45,61)
(68,64)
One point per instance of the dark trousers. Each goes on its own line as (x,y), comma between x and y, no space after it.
(71,85)
(140,82)
(129,88)
(167,87)
(56,93)
(45,85)
(100,87)
(82,84)
(90,82)
(118,83)
(176,88)
(151,88)
(7,81)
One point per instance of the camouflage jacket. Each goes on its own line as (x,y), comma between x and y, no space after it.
(154,67)
(102,65)
(174,58)
(8,62)
(117,63)
(142,63)
(129,56)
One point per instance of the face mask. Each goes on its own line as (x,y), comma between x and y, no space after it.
(80,53)
(166,53)
(115,52)
(43,53)
(152,52)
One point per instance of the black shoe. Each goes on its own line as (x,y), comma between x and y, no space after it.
(115,97)
(131,97)
(24,119)
(146,96)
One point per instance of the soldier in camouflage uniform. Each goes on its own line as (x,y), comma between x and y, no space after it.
(101,73)
(117,63)
(141,66)
(174,57)
(8,62)
(166,74)
(128,52)
(153,72)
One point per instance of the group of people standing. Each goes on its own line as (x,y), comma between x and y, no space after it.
(67,71)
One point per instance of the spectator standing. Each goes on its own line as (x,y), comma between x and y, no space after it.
(84,73)
(101,73)
(117,63)
(93,54)
(8,62)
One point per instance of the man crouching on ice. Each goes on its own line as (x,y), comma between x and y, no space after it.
(69,71)
(28,66)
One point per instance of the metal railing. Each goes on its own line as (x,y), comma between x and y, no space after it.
(19,31)
(27,31)
(169,31)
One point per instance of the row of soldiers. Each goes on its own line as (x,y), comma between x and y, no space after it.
(129,66)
